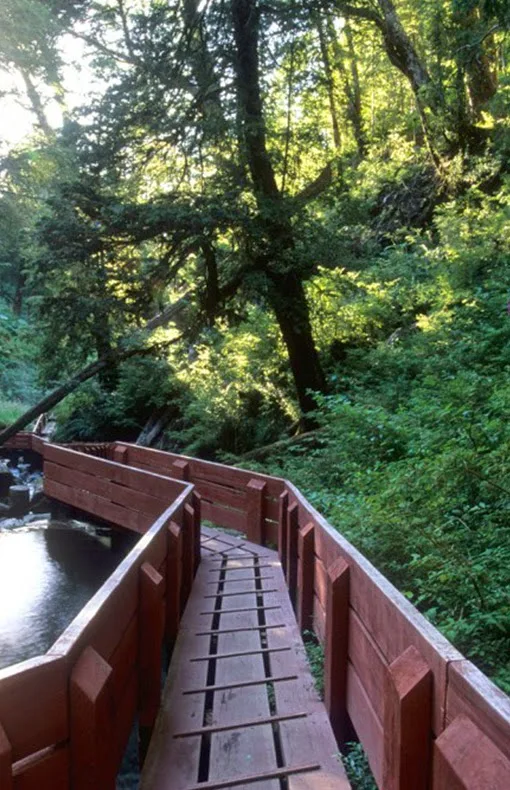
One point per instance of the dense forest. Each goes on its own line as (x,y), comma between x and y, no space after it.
(277,232)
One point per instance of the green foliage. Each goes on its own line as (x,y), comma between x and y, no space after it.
(144,386)
(10,411)
(18,369)
(237,389)
(357,768)
(413,448)
(315,656)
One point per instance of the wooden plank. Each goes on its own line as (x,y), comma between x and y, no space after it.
(34,692)
(241,628)
(365,721)
(272,508)
(255,511)
(91,723)
(282,529)
(156,548)
(119,455)
(319,620)
(258,778)
(173,586)
(471,693)
(247,723)
(336,648)
(207,470)
(121,495)
(233,519)
(188,553)
(180,470)
(104,619)
(48,770)
(97,506)
(292,551)
(240,653)
(38,444)
(196,502)
(236,753)
(221,495)
(124,659)
(465,759)
(151,631)
(407,723)
(145,482)
(271,533)
(125,715)
(240,684)
(173,764)
(368,662)
(306,571)
(306,739)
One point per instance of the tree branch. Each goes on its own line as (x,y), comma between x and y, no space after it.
(124,351)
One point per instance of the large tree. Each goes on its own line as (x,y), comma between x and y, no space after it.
(176,179)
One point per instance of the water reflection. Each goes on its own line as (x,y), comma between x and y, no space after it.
(48,572)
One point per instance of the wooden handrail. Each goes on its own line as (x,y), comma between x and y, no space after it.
(380,627)
(412,699)
(66,717)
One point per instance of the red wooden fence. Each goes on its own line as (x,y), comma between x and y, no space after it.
(416,704)
(426,716)
(65,717)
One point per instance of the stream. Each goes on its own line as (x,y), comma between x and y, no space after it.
(49,569)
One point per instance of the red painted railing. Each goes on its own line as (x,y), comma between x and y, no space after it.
(66,716)
(426,716)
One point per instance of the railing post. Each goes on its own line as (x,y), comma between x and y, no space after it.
(255,516)
(407,722)
(150,634)
(188,553)
(6,782)
(464,757)
(283,504)
(336,648)
(197,501)
(181,470)
(120,455)
(292,550)
(91,723)
(306,576)
(173,582)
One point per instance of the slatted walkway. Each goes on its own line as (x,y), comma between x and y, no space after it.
(240,707)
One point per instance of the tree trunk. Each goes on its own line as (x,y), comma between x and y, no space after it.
(330,81)
(36,105)
(286,293)
(354,96)
(288,301)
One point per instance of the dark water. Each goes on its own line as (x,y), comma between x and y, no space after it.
(48,572)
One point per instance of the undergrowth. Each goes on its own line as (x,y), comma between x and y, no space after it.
(357,768)
(354,758)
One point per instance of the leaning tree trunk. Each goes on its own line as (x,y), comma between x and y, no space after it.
(124,351)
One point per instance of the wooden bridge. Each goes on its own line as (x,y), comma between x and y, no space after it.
(238,706)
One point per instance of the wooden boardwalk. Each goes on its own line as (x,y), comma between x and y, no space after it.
(240,707)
